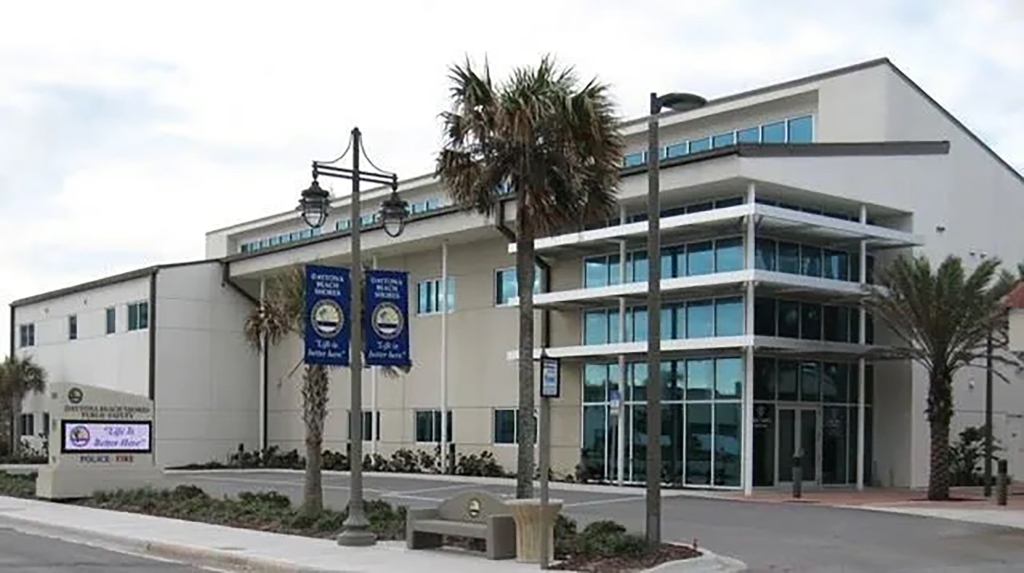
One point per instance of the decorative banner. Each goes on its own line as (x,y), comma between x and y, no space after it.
(328,299)
(550,379)
(387,318)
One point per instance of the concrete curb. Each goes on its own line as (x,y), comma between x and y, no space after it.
(708,562)
(187,554)
(638,491)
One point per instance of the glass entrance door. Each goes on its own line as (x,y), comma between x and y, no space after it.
(798,433)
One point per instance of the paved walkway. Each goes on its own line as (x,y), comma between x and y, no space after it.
(240,549)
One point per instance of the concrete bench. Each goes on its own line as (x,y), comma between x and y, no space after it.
(473,514)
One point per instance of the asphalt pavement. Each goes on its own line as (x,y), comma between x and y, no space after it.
(25,553)
(769,537)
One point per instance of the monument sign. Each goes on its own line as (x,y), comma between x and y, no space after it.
(99,439)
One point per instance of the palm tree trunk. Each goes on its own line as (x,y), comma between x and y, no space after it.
(940,413)
(524,421)
(314,413)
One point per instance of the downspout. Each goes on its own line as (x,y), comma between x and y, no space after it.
(152,357)
(13,439)
(264,354)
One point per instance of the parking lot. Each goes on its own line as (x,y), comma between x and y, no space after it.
(772,537)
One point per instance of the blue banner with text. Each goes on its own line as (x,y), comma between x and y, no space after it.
(328,304)
(387,313)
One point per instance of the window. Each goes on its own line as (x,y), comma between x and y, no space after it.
(698,145)
(810,321)
(789,258)
(750,135)
(506,427)
(700,319)
(789,319)
(26,335)
(428,296)
(138,315)
(729,316)
(764,316)
(836,320)
(700,258)
(728,377)
(367,429)
(634,159)
(111,320)
(837,265)
(677,150)
(46,424)
(601,271)
(773,132)
(428,425)
(723,140)
(764,254)
(506,284)
(810,261)
(801,129)
(27,424)
(728,255)
(700,379)
(73,327)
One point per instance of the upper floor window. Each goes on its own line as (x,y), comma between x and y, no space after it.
(506,284)
(26,335)
(73,327)
(429,297)
(111,320)
(138,315)
(27,425)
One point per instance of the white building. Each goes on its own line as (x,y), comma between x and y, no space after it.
(777,204)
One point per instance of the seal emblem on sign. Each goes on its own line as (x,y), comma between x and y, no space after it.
(474,507)
(79,436)
(327,318)
(75,395)
(387,321)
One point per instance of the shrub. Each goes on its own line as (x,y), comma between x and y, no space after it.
(479,465)
(18,485)
(600,539)
(334,461)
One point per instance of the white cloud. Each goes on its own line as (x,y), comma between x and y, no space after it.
(128,129)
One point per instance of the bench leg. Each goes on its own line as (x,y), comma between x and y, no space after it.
(501,539)
(423,540)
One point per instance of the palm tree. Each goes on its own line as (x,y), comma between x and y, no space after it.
(942,319)
(19,377)
(556,146)
(282,314)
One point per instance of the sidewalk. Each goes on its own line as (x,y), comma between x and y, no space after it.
(208,545)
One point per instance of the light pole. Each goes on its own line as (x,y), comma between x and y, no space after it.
(314,205)
(676,102)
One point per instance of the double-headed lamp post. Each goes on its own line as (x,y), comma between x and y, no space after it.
(675,102)
(314,205)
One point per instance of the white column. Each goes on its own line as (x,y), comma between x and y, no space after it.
(444,357)
(862,340)
(263,377)
(621,446)
(748,353)
(374,430)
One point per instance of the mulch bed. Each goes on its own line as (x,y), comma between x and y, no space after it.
(667,552)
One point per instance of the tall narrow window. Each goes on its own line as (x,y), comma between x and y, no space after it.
(111,320)
(73,327)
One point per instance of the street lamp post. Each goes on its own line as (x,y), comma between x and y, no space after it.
(676,102)
(314,205)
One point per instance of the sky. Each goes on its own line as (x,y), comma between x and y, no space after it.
(130,129)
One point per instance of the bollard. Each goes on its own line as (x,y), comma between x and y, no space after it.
(798,476)
(1002,484)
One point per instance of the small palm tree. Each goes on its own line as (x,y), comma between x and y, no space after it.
(282,314)
(19,376)
(556,146)
(943,320)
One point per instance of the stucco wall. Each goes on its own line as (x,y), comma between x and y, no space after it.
(207,393)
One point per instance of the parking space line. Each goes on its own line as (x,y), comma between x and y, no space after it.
(406,493)
(278,482)
(602,501)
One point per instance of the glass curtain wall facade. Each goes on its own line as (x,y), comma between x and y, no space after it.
(701,417)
